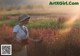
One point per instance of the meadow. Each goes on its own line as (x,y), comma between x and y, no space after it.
(57,38)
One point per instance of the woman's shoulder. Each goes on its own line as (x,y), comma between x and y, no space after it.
(16,26)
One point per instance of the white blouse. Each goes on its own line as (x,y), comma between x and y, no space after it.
(20,32)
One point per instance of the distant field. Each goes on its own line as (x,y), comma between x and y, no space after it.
(43,20)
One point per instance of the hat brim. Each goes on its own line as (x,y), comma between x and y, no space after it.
(26,18)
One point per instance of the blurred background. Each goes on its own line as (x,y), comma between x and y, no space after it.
(57,25)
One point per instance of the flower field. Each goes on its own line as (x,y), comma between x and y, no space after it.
(55,41)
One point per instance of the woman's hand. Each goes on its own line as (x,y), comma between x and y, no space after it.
(38,40)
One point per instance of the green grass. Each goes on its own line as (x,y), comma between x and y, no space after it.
(43,23)
(10,22)
(38,23)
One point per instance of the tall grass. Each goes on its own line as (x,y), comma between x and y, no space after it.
(36,23)
(52,44)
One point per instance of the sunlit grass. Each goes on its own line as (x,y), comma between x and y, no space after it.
(43,23)
(55,41)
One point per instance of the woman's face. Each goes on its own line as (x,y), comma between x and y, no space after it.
(25,22)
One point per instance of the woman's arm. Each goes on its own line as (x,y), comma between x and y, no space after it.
(35,40)
(31,39)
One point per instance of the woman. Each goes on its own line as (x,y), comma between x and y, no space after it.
(21,34)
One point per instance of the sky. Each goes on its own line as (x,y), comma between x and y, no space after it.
(59,8)
(22,2)
(16,2)
(5,3)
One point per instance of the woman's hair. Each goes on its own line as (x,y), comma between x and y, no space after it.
(23,17)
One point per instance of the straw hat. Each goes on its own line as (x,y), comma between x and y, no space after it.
(23,17)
